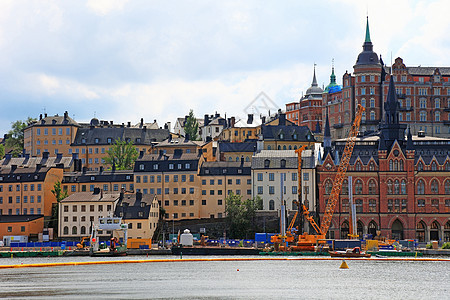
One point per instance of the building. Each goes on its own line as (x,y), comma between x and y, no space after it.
(141,213)
(173,179)
(401,182)
(79,211)
(108,181)
(220,179)
(284,136)
(169,145)
(21,225)
(241,130)
(52,134)
(212,127)
(178,128)
(307,111)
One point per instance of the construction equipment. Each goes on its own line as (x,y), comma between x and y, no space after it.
(307,241)
(82,243)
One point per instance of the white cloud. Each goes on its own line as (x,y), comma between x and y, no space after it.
(104,7)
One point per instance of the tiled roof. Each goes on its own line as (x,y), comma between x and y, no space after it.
(105,176)
(31,162)
(131,205)
(19,218)
(225,168)
(274,157)
(288,133)
(249,146)
(176,142)
(55,120)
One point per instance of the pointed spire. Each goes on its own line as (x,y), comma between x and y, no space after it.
(367,31)
(332,76)
(327,132)
(409,142)
(314,82)
(391,104)
(327,136)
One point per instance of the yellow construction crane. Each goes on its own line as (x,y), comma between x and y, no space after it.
(307,241)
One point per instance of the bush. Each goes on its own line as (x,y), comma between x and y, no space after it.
(429,246)
(446,245)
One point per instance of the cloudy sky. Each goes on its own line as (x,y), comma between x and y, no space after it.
(123,60)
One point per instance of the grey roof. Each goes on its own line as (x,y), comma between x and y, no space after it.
(23,175)
(428,71)
(290,133)
(104,176)
(139,136)
(32,162)
(19,218)
(225,168)
(274,157)
(132,204)
(92,197)
(55,120)
(177,142)
(248,146)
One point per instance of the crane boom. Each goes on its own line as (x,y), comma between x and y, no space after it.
(345,160)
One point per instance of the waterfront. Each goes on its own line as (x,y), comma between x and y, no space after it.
(286,279)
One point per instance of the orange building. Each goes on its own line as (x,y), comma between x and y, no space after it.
(241,130)
(22,225)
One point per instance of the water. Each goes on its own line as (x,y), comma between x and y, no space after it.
(291,279)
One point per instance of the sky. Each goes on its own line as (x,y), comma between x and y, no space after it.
(127,60)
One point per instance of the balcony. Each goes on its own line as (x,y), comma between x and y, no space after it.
(337,126)
(406,108)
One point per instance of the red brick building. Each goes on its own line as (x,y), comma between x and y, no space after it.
(401,185)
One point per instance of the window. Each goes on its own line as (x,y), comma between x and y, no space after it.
(372,187)
(294,189)
(358,187)
(328,187)
(434,186)
(260,190)
(271,176)
(421,203)
(203,202)
(260,177)
(421,187)
(390,205)
(271,205)
(271,190)
(372,205)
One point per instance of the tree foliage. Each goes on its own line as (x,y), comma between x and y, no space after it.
(121,154)
(241,215)
(2,151)
(59,195)
(191,126)
(14,142)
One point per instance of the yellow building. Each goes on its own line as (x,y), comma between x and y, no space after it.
(241,130)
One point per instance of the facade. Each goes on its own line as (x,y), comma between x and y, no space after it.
(241,130)
(212,127)
(178,128)
(169,145)
(228,151)
(52,134)
(21,225)
(173,179)
(108,181)
(80,210)
(284,136)
(220,179)
(141,213)
(401,185)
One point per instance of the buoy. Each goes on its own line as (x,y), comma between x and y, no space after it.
(343,265)
(238,270)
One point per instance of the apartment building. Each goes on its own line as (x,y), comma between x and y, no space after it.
(220,179)
(80,210)
(241,130)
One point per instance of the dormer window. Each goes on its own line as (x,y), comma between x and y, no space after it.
(138,140)
(281,136)
(109,140)
(97,140)
(142,204)
(266,163)
(92,178)
(294,137)
(83,141)
(283,163)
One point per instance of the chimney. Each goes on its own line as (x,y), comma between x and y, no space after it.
(122,192)
(13,168)
(84,170)
(40,117)
(206,121)
(45,115)
(142,122)
(138,196)
(233,121)
(263,119)
(216,115)
(111,123)
(145,128)
(129,124)
(38,167)
(8,156)
(27,156)
(250,119)
(101,169)
(96,191)
(186,137)
(66,115)
(169,125)
(161,152)
(242,160)
(45,155)
(141,153)
(282,119)
(59,156)
(74,156)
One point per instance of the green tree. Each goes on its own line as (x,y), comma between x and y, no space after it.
(241,215)
(59,195)
(121,154)
(14,142)
(2,151)
(191,126)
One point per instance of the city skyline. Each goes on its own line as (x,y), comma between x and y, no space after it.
(123,60)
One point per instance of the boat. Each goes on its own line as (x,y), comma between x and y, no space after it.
(355,252)
(213,250)
(116,248)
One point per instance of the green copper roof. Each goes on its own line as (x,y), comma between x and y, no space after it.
(367,32)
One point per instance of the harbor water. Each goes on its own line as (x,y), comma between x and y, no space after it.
(267,279)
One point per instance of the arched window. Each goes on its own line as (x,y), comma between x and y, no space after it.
(284,147)
(447,232)
(391,165)
(434,186)
(434,231)
(344,230)
(396,165)
(433,166)
(66,230)
(345,205)
(372,228)
(372,187)
(397,230)
(420,166)
(372,166)
(290,147)
(328,187)
(437,116)
(403,187)
(74,230)
(358,187)
(344,190)
(396,187)
(372,205)
(359,205)
(401,165)
(389,187)
(294,205)
(421,187)
(372,116)
(247,159)
(83,230)
(269,147)
(279,147)
(447,187)
(447,164)
(360,229)
(358,166)
(271,205)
